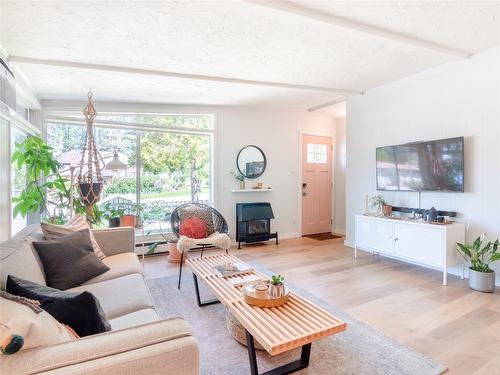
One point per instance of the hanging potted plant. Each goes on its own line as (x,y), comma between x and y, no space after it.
(481,276)
(378,202)
(277,289)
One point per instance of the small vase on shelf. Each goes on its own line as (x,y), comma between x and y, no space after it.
(242,185)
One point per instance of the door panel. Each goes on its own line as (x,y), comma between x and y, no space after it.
(316,184)
(374,235)
(420,244)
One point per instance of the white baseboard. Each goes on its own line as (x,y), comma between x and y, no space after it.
(349,243)
(339,231)
(288,235)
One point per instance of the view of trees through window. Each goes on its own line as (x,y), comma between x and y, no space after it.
(173,166)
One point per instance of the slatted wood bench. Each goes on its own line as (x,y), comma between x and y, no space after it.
(279,329)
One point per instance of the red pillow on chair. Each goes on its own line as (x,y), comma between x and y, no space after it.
(193,227)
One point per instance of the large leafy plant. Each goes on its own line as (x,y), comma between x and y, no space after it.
(480,257)
(46,190)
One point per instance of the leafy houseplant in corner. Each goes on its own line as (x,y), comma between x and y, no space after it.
(277,289)
(378,202)
(481,276)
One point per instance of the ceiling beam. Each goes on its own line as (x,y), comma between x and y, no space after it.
(160,73)
(326,104)
(347,23)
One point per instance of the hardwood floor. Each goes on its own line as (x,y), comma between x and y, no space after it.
(454,325)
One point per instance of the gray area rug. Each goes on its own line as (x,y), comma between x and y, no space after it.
(358,350)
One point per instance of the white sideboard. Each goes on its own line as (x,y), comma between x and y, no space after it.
(415,242)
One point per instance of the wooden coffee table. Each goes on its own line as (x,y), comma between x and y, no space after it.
(278,329)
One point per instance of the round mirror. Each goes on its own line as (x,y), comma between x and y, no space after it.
(251,161)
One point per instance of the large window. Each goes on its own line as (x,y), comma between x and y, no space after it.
(168,160)
(18,181)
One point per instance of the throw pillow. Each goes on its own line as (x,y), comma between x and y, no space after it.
(36,327)
(194,227)
(204,214)
(53,231)
(70,260)
(80,311)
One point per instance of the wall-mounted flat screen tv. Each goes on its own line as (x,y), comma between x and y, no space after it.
(422,166)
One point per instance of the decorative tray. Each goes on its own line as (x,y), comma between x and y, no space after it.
(262,298)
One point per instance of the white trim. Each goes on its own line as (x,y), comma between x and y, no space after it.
(350,24)
(349,243)
(160,73)
(326,104)
(23,124)
(339,231)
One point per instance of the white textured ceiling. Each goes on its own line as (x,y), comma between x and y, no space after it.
(232,39)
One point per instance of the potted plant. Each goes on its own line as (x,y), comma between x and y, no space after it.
(240,178)
(277,288)
(112,214)
(138,209)
(481,276)
(378,202)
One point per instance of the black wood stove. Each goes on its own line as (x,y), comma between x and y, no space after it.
(253,222)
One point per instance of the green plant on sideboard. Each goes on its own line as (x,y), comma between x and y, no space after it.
(51,197)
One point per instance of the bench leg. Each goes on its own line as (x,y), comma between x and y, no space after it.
(300,364)
(197,291)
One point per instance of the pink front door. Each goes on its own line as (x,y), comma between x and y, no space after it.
(316,184)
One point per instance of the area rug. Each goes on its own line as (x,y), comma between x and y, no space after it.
(358,350)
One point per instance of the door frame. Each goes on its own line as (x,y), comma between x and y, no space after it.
(299,182)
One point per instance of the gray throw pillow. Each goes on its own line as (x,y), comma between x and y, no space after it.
(70,260)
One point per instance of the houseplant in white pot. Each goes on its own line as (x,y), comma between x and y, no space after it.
(481,276)
(378,202)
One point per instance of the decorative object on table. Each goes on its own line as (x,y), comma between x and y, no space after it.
(259,185)
(216,237)
(112,214)
(277,289)
(44,183)
(251,161)
(479,257)
(240,178)
(232,269)
(90,179)
(259,293)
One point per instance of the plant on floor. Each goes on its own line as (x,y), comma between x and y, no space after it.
(51,197)
(277,279)
(478,256)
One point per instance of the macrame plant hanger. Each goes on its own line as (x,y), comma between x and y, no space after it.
(90,179)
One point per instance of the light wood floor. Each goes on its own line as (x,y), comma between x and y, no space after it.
(454,325)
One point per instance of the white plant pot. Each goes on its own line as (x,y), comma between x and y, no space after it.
(482,281)
(277,291)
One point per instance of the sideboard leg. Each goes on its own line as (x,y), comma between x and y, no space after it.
(355,252)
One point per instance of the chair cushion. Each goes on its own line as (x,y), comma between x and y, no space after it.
(134,319)
(53,231)
(202,213)
(36,326)
(69,260)
(193,227)
(119,265)
(80,311)
(120,296)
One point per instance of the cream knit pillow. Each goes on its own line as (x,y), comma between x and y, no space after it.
(53,231)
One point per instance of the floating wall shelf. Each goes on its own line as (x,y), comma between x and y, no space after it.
(250,190)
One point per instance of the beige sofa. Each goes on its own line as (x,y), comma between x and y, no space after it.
(139,342)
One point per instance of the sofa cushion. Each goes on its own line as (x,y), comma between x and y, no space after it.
(53,231)
(134,319)
(119,265)
(70,260)
(80,311)
(120,296)
(19,258)
(36,326)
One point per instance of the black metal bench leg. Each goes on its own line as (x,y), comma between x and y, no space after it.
(294,366)
(180,270)
(197,291)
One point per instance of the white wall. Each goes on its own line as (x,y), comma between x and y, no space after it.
(339,176)
(457,99)
(277,133)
